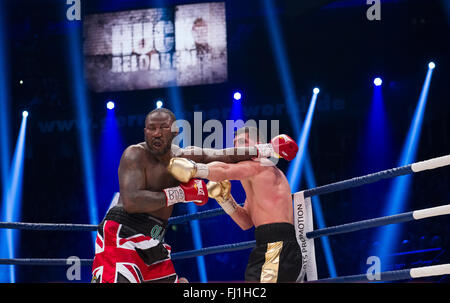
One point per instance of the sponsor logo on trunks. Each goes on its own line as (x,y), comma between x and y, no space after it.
(123,261)
(155,233)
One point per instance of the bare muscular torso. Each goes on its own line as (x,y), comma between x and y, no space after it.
(157,178)
(269,197)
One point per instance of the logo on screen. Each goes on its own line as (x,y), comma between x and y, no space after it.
(159,47)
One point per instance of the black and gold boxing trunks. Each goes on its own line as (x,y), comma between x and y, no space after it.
(277,256)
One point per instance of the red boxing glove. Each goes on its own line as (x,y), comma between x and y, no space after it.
(194,190)
(284,146)
(281,146)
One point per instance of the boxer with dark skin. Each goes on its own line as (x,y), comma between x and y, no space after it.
(143,170)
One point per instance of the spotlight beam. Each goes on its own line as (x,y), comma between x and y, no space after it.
(81,106)
(294,115)
(296,167)
(14,193)
(294,178)
(398,194)
(108,159)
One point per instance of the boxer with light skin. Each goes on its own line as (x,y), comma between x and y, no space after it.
(268,205)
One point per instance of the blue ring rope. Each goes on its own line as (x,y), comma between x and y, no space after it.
(42,261)
(394,275)
(90,227)
(354,226)
(384,276)
(48,226)
(403,274)
(213,250)
(175,256)
(358,181)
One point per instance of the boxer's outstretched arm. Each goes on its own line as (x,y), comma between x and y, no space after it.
(208,155)
(135,198)
(219,171)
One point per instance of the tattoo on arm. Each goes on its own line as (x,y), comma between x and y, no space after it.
(242,218)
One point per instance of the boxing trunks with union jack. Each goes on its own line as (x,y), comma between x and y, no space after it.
(130,248)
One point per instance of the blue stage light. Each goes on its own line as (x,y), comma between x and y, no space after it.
(237,96)
(300,163)
(13,196)
(288,88)
(6,272)
(431,65)
(296,167)
(110,105)
(110,150)
(159,104)
(81,100)
(374,156)
(398,194)
(377,81)
(316,90)
(24,114)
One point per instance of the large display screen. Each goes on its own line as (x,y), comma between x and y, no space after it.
(158,47)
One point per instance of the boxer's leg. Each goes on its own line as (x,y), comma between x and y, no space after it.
(290,262)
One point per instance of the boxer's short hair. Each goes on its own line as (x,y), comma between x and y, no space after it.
(162,110)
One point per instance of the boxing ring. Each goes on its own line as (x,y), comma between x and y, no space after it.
(309,235)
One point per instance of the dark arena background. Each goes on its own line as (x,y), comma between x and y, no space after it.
(87,72)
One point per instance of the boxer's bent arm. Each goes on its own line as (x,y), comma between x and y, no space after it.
(135,198)
(208,155)
(142,201)
(241,217)
(219,171)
